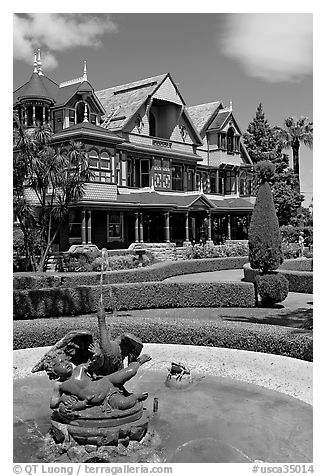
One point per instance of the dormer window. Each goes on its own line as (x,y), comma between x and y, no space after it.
(81,113)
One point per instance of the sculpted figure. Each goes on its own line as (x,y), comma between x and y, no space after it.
(77,388)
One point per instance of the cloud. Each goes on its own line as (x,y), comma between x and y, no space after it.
(275,47)
(57,32)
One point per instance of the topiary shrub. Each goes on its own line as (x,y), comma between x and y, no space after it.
(265,241)
(272,288)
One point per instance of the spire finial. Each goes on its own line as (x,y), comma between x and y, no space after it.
(35,63)
(85,71)
(230,104)
(39,63)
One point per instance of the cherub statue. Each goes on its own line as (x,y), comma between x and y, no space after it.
(77,388)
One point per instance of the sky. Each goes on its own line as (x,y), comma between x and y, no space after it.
(244,58)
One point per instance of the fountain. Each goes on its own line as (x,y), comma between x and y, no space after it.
(99,411)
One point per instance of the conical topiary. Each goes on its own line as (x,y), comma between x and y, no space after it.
(265,241)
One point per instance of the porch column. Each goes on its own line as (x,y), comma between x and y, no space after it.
(89,226)
(25,116)
(137,227)
(167,227)
(43,114)
(187,226)
(141,227)
(229,226)
(83,227)
(209,217)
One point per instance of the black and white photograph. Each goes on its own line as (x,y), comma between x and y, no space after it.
(162,243)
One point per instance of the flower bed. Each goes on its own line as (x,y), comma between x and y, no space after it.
(59,301)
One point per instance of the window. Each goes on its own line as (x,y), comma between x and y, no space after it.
(205,178)
(242,183)
(114,226)
(71,117)
(190,180)
(105,168)
(74,225)
(80,111)
(177,177)
(230,182)
(198,181)
(230,140)
(222,141)
(138,172)
(213,182)
(101,166)
(58,120)
(221,182)
(93,119)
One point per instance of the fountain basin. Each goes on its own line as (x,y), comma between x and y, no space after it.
(241,407)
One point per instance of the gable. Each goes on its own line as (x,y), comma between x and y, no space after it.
(201,203)
(223,121)
(168,92)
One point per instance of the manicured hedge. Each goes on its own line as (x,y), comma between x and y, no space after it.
(156,272)
(300,264)
(84,299)
(215,333)
(299,281)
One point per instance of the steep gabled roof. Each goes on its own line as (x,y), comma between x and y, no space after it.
(123,101)
(202,114)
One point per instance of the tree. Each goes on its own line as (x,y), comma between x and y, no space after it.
(47,181)
(264,143)
(265,241)
(296,132)
(260,141)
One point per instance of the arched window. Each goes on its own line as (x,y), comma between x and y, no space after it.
(152,125)
(106,170)
(93,161)
(230,140)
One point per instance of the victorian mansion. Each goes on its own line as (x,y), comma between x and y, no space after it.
(162,171)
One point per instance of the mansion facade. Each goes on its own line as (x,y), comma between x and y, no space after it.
(162,171)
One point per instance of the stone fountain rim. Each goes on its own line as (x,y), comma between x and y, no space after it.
(289,376)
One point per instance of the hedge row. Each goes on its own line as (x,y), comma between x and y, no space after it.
(299,264)
(299,281)
(84,299)
(156,272)
(215,333)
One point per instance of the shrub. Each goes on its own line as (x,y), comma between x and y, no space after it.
(156,272)
(299,281)
(60,301)
(272,288)
(291,250)
(299,264)
(218,251)
(265,242)
(290,234)
(241,335)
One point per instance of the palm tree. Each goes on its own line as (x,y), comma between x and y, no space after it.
(296,132)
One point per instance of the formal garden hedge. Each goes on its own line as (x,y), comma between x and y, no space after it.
(287,341)
(297,271)
(59,301)
(156,272)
